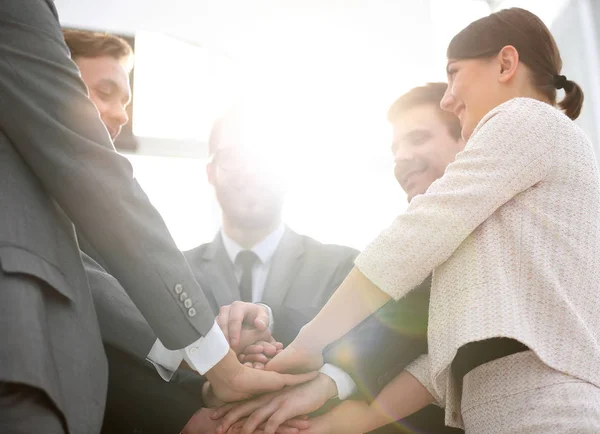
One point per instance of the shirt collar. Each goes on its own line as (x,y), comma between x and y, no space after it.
(264,249)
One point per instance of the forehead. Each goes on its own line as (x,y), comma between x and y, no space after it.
(96,69)
(424,117)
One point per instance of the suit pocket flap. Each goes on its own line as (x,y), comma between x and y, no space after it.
(19,261)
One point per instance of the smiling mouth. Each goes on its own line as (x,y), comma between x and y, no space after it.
(408,181)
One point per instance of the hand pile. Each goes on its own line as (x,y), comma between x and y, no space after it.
(242,406)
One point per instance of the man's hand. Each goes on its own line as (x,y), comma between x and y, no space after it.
(276,408)
(231,319)
(231,381)
(259,353)
(201,423)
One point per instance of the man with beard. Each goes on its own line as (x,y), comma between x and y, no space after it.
(255,257)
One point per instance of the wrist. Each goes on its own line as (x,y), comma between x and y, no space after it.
(227,368)
(327,386)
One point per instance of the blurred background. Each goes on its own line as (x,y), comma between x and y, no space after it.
(320,73)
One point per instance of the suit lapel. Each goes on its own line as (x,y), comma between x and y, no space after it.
(218,273)
(284,268)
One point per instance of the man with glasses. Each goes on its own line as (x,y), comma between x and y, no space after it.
(255,257)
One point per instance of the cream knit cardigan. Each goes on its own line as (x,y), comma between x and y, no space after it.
(512,235)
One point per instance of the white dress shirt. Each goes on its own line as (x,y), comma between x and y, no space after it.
(209,350)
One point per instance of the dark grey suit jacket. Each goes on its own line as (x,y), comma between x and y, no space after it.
(55,155)
(303,275)
(138,399)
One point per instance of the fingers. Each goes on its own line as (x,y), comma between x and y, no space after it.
(232,413)
(269,350)
(256,358)
(250,313)
(259,365)
(262,320)
(218,413)
(300,422)
(254,348)
(237,312)
(260,415)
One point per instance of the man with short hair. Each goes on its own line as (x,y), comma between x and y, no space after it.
(105,62)
(255,257)
(138,399)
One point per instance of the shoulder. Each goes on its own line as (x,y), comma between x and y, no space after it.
(196,252)
(527,120)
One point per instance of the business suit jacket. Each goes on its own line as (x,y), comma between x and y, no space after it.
(58,166)
(303,275)
(138,399)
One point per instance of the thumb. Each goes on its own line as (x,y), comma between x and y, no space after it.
(261,322)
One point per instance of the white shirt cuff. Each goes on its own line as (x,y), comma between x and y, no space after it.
(345,384)
(164,360)
(207,351)
(271,319)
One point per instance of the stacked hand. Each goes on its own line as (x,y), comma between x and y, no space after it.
(245,327)
(274,409)
(258,354)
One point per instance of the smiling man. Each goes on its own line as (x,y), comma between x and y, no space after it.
(425,138)
(105,62)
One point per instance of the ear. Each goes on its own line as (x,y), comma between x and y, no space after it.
(508,57)
(210,172)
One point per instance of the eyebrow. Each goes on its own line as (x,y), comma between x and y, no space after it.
(410,136)
(113,84)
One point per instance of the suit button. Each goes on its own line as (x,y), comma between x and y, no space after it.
(178,288)
(183,296)
(187,303)
(192,312)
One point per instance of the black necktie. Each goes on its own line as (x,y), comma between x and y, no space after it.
(246,260)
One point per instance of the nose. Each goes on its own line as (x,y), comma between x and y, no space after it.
(447,103)
(119,115)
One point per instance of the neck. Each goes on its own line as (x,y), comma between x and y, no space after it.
(248,237)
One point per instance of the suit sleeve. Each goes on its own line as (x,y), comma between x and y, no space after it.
(121,323)
(502,159)
(47,116)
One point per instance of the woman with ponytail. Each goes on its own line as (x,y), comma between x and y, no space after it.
(511,233)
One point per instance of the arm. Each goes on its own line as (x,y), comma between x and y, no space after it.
(116,313)
(402,397)
(47,116)
(502,159)
(385,343)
